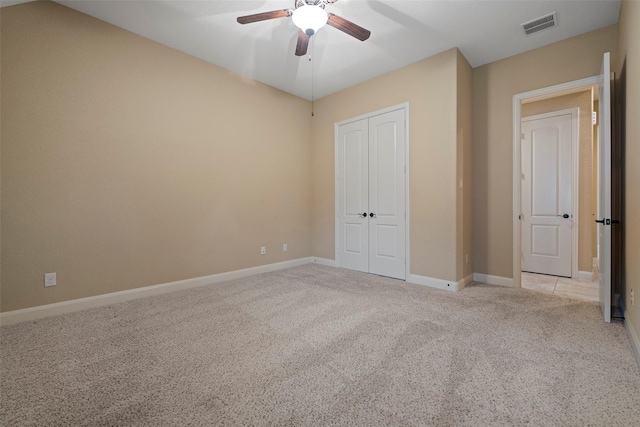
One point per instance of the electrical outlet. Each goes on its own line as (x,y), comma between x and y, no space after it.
(285,248)
(263,250)
(633,298)
(49,279)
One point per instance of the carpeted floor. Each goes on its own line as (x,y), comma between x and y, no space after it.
(315,345)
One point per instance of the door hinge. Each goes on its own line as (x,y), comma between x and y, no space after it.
(520,217)
(522,136)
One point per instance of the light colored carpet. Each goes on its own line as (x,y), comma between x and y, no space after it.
(315,345)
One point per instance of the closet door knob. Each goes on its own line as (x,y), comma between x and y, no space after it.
(363,215)
(372,215)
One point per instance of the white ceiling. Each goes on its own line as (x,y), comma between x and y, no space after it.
(402,32)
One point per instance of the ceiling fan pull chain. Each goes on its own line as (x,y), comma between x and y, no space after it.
(311,63)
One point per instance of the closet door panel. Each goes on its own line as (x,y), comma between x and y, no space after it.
(387,195)
(353,195)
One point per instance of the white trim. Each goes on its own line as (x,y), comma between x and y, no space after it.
(39,312)
(550,91)
(496,280)
(633,337)
(585,276)
(404,106)
(407,211)
(561,92)
(336,196)
(465,281)
(324,261)
(575,176)
(433,283)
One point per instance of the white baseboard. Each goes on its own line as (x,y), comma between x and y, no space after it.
(324,261)
(433,283)
(39,312)
(493,280)
(585,276)
(464,282)
(633,337)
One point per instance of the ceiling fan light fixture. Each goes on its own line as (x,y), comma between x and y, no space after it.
(309,18)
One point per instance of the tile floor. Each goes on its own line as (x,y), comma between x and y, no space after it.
(562,286)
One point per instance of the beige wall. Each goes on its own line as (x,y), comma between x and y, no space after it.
(429,86)
(629,48)
(126,163)
(493,88)
(586,215)
(464,170)
(0,159)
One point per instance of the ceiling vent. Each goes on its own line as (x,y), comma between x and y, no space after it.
(539,24)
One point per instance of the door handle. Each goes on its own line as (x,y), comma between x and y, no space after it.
(565,216)
(607,221)
(363,215)
(372,215)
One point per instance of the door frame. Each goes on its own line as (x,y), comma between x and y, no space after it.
(404,106)
(575,178)
(534,95)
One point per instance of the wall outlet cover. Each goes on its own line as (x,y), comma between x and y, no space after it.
(49,279)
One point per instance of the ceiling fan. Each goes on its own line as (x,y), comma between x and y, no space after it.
(310,16)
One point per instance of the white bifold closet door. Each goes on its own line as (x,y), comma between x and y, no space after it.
(371,195)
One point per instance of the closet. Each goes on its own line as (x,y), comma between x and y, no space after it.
(371,194)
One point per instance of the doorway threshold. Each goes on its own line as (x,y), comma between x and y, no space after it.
(561,286)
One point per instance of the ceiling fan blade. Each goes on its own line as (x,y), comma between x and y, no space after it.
(264,16)
(348,27)
(303,43)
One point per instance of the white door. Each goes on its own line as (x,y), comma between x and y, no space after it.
(371,195)
(387,195)
(547,194)
(604,188)
(353,195)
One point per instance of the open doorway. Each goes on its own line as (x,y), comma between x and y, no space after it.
(544,110)
(610,159)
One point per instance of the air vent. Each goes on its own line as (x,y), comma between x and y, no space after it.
(539,24)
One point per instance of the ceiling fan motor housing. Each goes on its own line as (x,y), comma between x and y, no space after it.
(319,3)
